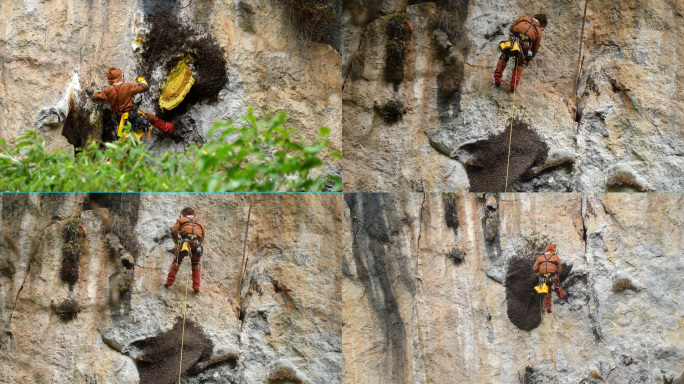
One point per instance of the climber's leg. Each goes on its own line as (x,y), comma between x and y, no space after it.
(171,278)
(547,302)
(195,260)
(159,123)
(500,66)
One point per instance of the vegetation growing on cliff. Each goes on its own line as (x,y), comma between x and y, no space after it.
(314,20)
(257,155)
(71,250)
(399,29)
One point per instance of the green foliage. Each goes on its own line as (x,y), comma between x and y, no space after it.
(259,155)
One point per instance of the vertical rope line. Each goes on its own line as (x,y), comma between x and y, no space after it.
(579,54)
(244,250)
(185,306)
(544,342)
(510,136)
(553,342)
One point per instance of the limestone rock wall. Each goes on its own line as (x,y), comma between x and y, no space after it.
(284,321)
(426,301)
(53,52)
(620,131)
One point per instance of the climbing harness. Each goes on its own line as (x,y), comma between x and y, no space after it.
(547,260)
(185,306)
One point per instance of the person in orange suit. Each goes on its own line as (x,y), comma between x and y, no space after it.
(528,32)
(119,95)
(547,267)
(188,234)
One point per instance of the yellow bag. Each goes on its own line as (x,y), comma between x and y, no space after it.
(510,47)
(542,288)
(122,124)
(184,248)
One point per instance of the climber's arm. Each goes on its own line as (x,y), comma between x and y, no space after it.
(98,97)
(141,85)
(174,230)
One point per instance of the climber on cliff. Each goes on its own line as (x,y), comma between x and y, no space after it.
(119,95)
(522,45)
(547,267)
(188,234)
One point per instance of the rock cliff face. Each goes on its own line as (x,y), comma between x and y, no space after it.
(55,54)
(112,322)
(432,292)
(618,131)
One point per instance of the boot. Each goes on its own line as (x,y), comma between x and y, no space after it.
(172,274)
(498,72)
(515,78)
(547,303)
(159,123)
(195,278)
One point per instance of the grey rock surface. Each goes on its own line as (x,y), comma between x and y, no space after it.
(56,54)
(413,315)
(285,317)
(626,111)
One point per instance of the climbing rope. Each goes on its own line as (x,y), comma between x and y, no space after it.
(544,353)
(244,250)
(510,136)
(185,305)
(553,344)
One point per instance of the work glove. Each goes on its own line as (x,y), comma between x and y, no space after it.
(140,80)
